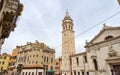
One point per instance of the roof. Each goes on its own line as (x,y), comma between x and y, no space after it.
(82,53)
(5,54)
(101,31)
(33,67)
(49,50)
(67,16)
(35,45)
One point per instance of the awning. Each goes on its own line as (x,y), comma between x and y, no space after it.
(50,71)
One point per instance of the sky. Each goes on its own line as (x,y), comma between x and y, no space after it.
(42,20)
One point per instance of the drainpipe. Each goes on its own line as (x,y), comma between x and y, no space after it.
(59,66)
(36,71)
(70,65)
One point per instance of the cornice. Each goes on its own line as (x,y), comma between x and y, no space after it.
(103,29)
(83,53)
(105,42)
(68,30)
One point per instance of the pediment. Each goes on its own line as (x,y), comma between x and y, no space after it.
(106,33)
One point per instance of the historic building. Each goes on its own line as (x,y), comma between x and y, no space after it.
(14,55)
(58,65)
(68,43)
(103,52)
(33,70)
(9,12)
(4,61)
(102,56)
(79,64)
(37,53)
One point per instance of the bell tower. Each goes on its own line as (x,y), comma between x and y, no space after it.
(68,43)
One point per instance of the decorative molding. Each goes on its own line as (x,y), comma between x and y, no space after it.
(104,43)
(99,45)
(92,70)
(102,70)
(113,53)
(93,56)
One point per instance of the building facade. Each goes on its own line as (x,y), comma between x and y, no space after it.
(102,56)
(36,54)
(9,12)
(4,61)
(33,70)
(79,64)
(103,52)
(68,43)
(58,66)
(14,55)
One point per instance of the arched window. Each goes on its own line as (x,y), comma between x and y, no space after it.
(78,73)
(23,73)
(32,73)
(77,61)
(74,72)
(95,64)
(26,73)
(108,37)
(71,27)
(29,73)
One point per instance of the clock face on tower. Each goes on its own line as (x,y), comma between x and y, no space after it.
(1,4)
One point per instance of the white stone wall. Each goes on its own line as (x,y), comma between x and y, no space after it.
(114,33)
(82,66)
(32,70)
(99,51)
(102,55)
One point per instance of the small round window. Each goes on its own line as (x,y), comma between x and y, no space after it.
(108,37)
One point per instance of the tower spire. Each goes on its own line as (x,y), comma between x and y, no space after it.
(67,13)
(67,16)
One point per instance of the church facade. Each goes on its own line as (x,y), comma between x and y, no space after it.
(102,55)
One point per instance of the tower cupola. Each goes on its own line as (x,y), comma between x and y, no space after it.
(67,22)
(67,16)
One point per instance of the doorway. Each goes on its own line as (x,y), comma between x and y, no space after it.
(116,70)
